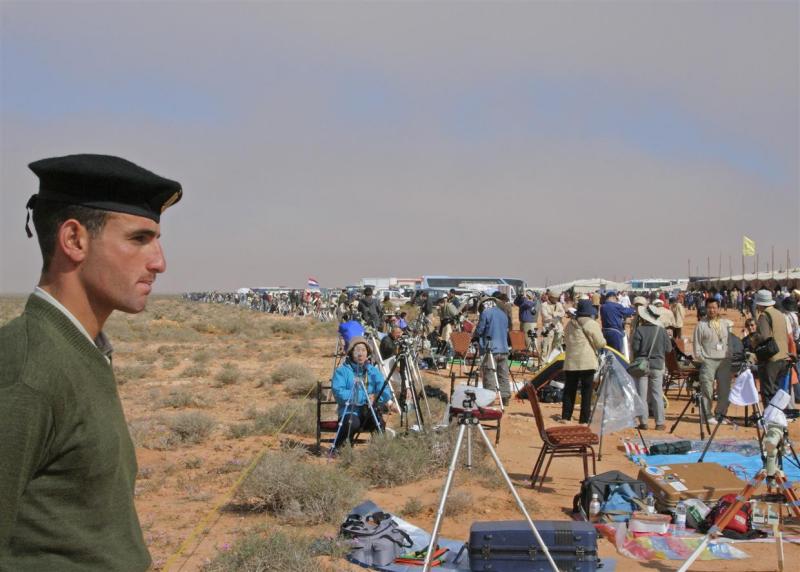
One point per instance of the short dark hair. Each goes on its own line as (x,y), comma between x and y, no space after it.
(712,301)
(368,291)
(48,216)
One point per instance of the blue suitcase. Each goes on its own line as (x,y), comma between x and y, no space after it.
(510,546)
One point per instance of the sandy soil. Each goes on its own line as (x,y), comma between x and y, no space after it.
(178,488)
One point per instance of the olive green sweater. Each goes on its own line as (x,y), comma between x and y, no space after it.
(67,463)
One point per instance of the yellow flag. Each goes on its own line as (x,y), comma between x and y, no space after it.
(748,247)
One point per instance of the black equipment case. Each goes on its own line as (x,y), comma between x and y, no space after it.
(510,546)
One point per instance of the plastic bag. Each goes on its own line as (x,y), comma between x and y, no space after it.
(618,403)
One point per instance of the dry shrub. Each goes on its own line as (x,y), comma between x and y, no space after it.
(287,485)
(229,374)
(152,433)
(192,427)
(458,502)
(170,362)
(412,507)
(276,551)
(240,430)
(128,373)
(180,398)
(290,326)
(390,461)
(195,371)
(201,357)
(301,387)
(292,370)
(299,417)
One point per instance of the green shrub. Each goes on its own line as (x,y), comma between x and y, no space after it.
(301,416)
(229,374)
(286,484)
(192,427)
(412,507)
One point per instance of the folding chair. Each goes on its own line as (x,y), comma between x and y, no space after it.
(520,352)
(488,417)
(462,350)
(685,376)
(562,441)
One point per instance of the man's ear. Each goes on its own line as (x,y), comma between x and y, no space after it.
(73,240)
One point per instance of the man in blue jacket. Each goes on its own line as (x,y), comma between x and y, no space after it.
(355,413)
(492,336)
(528,313)
(613,315)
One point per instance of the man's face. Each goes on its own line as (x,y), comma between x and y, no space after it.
(712,311)
(360,354)
(396,333)
(122,263)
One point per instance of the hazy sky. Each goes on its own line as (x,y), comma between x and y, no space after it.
(543,140)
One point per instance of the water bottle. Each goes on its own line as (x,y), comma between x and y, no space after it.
(651,503)
(680,518)
(594,508)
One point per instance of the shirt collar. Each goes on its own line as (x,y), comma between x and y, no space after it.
(101,341)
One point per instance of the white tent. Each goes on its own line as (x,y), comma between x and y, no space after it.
(585,286)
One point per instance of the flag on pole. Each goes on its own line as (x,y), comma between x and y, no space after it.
(312,282)
(748,247)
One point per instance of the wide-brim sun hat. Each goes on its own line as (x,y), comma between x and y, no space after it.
(649,314)
(764,298)
(640,301)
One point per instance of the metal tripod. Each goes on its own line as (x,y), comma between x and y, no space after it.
(697,400)
(785,489)
(466,421)
(410,381)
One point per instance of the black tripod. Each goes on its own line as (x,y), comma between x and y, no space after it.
(410,384)
(695,400)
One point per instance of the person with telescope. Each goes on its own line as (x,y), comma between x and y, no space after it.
(353,383)
(388,347)
(492,337)
(771,345)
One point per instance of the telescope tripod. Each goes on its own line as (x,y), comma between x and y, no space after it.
(697,401)
(466,421)
(786,491)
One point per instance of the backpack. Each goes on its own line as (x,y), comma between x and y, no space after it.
(739,527)
(376,544)
(619,495)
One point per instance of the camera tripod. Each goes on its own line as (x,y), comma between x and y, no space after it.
(410,384)
(697,401)
(786,490)
(466,421)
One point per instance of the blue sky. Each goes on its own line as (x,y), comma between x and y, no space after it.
(558,140)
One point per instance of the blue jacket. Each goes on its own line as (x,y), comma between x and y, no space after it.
(493,323)
(350,329)
(613,315)
(344,378)
(528,309)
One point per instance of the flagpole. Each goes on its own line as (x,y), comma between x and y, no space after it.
(772,265)
(757,268)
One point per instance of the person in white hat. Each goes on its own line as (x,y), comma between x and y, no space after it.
(651,340)
(770,324)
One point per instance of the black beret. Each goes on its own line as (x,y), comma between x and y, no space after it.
(104,182)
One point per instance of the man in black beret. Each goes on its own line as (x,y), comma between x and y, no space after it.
(67,462)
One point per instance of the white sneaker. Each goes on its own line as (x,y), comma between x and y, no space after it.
(713,421)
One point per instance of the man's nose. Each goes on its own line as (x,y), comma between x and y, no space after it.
(157,262)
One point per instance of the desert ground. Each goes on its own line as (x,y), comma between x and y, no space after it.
(207,389)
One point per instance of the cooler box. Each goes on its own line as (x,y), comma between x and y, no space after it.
(705,481)
(510,546)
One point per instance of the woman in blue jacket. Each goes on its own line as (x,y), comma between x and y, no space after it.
(355,415)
